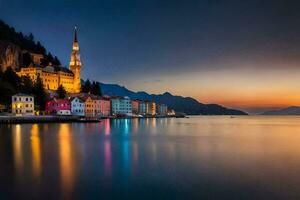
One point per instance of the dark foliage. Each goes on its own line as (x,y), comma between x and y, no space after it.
(27,60)
(61,92)
(11,84)
(95,89)
(92,88)
(39,94)
(26,42)
(86,87)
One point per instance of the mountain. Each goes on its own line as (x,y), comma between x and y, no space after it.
(16,49)
(292,110)
(186,105)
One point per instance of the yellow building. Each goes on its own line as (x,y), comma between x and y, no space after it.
(89,106)
(53,77)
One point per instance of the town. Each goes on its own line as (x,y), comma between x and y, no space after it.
(67,96)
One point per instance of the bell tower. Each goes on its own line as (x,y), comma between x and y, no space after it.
(75,63)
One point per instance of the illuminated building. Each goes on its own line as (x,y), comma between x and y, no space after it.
(58,107)
(75,64)
(22,105)
(105,106)
(135,106)
(150,108)
(54,76)
(77,106)
(36,58)
(89,106)
(142,108)
(96,105)
(162,109)
(121,106)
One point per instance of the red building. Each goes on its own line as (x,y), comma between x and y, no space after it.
(135,107)
(105,106)
(58,107)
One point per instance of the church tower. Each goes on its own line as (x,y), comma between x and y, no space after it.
(75,63)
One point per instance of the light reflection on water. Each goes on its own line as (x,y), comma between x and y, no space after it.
(199,157)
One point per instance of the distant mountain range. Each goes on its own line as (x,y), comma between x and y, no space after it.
(292,110)
(186,105)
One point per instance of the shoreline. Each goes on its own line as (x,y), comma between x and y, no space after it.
(59,119)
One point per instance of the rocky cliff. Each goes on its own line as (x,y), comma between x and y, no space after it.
(10,55)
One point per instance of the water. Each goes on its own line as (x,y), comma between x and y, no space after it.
(199,157)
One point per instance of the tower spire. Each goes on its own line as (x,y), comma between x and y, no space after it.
(75,63)
(75,34)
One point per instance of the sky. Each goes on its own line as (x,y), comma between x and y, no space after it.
(241,54)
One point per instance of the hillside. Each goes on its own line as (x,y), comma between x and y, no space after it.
(15,49)
(292,110)
(186,105)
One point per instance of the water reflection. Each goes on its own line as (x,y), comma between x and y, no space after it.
(134,156)
(107,158)
(170,156)
(67,172)
(107,127)
(18,151)
(35,151)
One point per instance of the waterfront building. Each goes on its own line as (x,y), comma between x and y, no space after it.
(54,76)
(142,108)
(88,106)
(58,107)
(121,106)
(150,108)
(22,104)
(162,109)
(77,106)
(105,106)
(97,105)
(135,107)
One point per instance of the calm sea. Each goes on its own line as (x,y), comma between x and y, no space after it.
(196,158)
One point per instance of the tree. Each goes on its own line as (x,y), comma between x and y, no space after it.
(86,88)
(61,92)
(31,37)
(44,62)
(50,57)
(39,93)
(56,61)
(96,88)
(11,77)
(6,91)
(27,60)
(40,48)
(26,85)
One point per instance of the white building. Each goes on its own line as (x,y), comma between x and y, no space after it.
(121,106)
(22,105)
(162,109)
(142,108)
(77,106)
